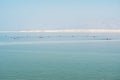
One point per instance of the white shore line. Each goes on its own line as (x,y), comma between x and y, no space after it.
(69,31)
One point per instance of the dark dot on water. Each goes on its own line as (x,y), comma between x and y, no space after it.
(40,37)
(73,36)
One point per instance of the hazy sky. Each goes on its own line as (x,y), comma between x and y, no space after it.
(59,14)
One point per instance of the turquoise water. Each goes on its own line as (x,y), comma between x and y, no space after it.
(59,56)
(60,60)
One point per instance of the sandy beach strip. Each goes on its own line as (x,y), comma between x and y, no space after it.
(71,31)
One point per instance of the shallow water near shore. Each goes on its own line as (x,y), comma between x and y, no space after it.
(86,60)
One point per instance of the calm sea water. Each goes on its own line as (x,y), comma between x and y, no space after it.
(60,60)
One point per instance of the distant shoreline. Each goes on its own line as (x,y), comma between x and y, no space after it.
(69,31)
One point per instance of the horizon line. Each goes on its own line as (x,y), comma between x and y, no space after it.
(68,30)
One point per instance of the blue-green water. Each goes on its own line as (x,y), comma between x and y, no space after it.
(93,60)
(62,60)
